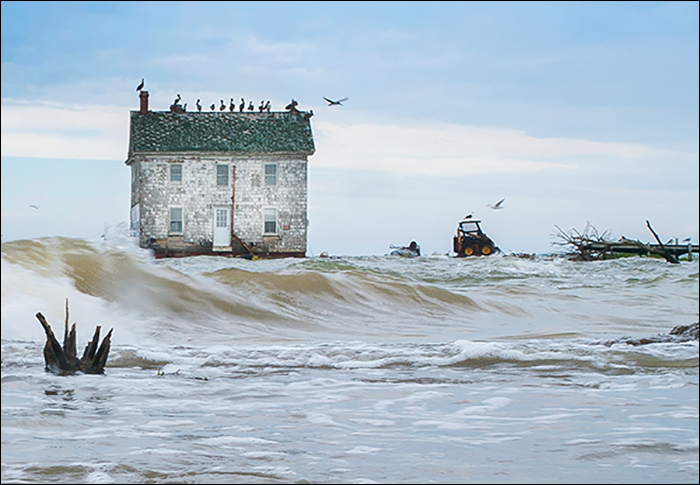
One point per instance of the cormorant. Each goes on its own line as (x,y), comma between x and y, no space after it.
(241,106)
(199,106)
(140,86)
(213,106)
(251,107)
(232,106)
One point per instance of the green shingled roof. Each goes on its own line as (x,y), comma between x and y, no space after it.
(160,131)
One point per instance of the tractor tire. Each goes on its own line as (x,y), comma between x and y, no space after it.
(486,250)
(468,251)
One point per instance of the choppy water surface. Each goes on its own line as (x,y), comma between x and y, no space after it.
(353,370)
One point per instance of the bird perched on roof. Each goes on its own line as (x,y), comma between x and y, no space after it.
(223,106)
(497,205)
(469,216)
(213,106)
(251,107)
(267,106)
(687,239)
(177,100)
(241,106)
(335,103)
(199,106)
(232,106)
(261,108)
(307,116)
(292,107)
(140,86)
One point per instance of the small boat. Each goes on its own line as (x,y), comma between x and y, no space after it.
(410,251)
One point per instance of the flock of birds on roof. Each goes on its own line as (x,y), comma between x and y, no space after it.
(264,107)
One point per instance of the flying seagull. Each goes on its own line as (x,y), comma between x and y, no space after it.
(140,86)
(497,205)
(335,103)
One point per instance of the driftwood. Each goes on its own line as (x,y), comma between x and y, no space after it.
(64,360)
(591,245)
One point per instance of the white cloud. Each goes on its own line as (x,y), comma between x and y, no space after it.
(100,132)
(456,150)
(52,130)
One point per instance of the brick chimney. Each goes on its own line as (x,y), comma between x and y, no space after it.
(143,95)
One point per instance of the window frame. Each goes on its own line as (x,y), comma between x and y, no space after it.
(267,211)
(172,220)
(170,169)
(266,174)
(219,175)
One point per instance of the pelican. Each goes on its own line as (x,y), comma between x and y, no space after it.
(497,205)
(140,86)
(335,103)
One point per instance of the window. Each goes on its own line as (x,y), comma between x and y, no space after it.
(270,221)
(221,218)
(176,172)
(176,220)
(222,175)
(270,174)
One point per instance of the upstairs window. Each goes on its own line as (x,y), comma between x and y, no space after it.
(222,175)
(176,172)
(270,221)
(175,220)
(270,174)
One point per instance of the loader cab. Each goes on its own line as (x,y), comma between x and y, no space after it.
(471,240)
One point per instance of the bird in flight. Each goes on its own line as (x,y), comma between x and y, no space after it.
(497,205)
(140,86)
(33,206)
(335,103)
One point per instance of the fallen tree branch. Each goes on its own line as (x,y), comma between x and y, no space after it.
(63,360)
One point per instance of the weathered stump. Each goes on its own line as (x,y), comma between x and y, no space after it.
(63,360)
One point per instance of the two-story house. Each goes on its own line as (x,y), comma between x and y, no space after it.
(219,182)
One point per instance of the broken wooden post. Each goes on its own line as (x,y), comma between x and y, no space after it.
(63,360)
(663,252)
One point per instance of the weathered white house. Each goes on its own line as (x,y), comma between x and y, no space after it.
(219,182)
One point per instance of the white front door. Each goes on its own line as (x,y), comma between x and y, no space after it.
(222,227)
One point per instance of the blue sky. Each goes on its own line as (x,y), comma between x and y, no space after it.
(574,112)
